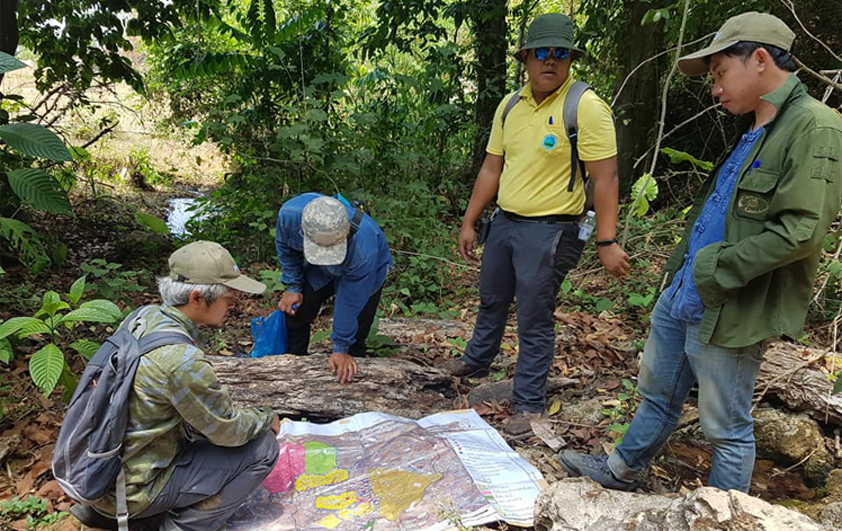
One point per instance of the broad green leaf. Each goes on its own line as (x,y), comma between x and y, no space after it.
(8,63)
(40,190)
(34,328)
(320,336)
(104,306)
(45,367)
(29,247)
(35,140)
(837,387)
(90,315)
(641,201)
(68,381)
(677,157)
(6,353)
(16,324)
(151,223)
(76,290)
(85,348)
(555,407)
(604,304)
(52,303)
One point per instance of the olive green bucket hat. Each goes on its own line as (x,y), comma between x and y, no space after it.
(552,30)
(748,27)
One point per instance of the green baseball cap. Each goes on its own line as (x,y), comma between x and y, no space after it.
(552,30)
(748,27)
(210,263)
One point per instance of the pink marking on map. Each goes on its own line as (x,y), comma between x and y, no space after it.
(290,465)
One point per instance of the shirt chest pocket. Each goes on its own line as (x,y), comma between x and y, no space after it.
(754,194)
(552,141)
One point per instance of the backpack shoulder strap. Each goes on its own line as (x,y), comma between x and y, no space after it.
(355,222)
(155,340)
(510,105)
(571,126)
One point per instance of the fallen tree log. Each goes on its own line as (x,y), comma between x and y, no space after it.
(302,386)
(791,373)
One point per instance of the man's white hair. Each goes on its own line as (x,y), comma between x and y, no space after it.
(175,293)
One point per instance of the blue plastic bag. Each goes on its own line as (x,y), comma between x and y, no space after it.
(269,334)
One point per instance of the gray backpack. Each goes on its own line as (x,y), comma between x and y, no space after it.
(88,460)
(571,126)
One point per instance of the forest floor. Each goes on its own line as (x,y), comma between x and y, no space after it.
(599,349)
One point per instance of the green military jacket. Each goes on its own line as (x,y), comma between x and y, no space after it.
(758,281)
(176,399)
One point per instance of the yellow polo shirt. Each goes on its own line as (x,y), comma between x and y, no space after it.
(536,171)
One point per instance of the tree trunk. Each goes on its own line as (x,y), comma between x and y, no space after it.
(801,387)
(8,28)
(636,106)
(490,30)
(302,386)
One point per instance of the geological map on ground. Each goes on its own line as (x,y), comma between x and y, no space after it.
(378,472)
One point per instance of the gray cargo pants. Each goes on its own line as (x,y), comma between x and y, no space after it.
(211,482)
(528,260)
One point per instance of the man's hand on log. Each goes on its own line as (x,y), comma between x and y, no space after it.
(343,366)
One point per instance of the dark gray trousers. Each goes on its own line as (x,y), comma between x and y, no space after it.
(527,260)
(211,482)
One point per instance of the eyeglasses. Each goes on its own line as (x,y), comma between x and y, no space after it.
(558,53)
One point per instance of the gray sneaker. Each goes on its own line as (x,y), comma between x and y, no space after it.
(594,467)
(460,369)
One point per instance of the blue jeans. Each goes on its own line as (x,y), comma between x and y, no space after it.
(673,361)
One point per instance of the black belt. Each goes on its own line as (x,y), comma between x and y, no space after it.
(557,218)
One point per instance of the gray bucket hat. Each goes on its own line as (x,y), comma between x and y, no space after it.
(325,224)
(552,30)
(748,27)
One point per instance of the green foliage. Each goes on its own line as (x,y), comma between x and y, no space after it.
(53,331)
(622,410)
(35,140)
(677,157)
(39,189)
(151,223)
(25,242)
(34,509)
(642,197)
(111,283)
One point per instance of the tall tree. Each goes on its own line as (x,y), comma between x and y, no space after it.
(636,105)
(488,20)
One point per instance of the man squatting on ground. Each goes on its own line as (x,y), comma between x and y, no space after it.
(191,454)
(744,270)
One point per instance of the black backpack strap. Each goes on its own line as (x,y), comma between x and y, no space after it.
(355,222)
(155,340)
(510,105)
(571,125)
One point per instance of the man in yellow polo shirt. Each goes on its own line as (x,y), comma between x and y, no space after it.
(535,241)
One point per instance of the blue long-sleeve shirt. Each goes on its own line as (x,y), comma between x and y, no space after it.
(708,229)
(356,279)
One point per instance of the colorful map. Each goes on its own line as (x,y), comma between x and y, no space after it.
(374,472)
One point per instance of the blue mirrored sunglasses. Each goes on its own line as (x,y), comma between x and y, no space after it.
(559,53)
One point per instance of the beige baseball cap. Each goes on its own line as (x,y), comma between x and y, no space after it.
(324,222)
(748,27)
(206,262)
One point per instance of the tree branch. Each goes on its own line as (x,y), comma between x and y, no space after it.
(660,123)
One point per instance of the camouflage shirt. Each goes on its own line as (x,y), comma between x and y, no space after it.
(176,399)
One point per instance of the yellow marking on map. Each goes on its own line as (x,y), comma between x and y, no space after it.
(329,522)
(360,510)
(399,489)
(335,503)
(304,481)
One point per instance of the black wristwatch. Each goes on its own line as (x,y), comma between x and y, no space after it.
(606,243)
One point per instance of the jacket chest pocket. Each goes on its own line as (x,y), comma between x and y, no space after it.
(754,194)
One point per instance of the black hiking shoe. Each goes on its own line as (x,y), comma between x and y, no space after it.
(594,467)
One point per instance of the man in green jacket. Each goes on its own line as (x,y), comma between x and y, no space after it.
(190,454)
(745,267)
